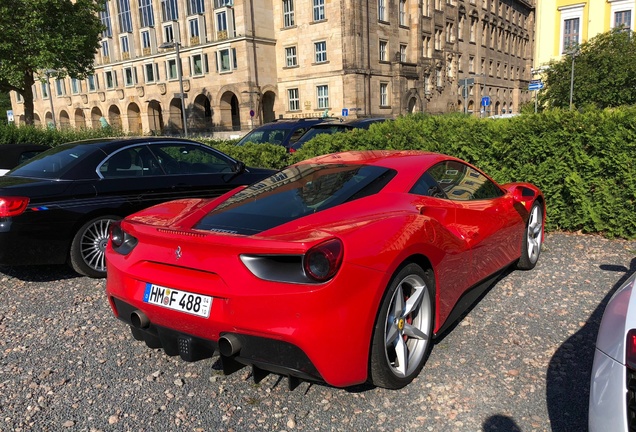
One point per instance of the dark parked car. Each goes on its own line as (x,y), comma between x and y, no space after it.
(57,207)
(12,155)
(283,132)
(334,127)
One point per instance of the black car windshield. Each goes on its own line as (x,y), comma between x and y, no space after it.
(293,193)
(53,163)
(265,136)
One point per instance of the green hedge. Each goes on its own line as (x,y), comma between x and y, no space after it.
(583,161)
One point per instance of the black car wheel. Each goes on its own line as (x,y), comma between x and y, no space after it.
(402,338)
(88,247)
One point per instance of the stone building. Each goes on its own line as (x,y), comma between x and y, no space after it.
(246,62)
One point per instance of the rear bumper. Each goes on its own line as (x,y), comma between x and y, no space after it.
(32,244)
(608,395)
(263,353)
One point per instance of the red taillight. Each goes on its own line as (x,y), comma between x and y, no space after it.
(630,349)
(323,261)
(12,206)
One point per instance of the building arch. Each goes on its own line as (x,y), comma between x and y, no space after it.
(96,115)
(48,119)
(201,114)
(65,120)
(175,117)
(230,113)
(497,106)
(471,106)
(79,118)
(155,117)
(114,117)
(134,118)
(268,102)
(36,120)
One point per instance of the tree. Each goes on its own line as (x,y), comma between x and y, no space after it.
(604,73)
(41,35)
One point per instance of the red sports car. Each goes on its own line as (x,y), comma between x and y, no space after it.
(341,269)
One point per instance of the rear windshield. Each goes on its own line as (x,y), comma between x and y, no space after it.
(293,193)
(53,163)
(266,136)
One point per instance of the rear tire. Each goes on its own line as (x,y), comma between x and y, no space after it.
(87,255)
(532,238)
(403,334)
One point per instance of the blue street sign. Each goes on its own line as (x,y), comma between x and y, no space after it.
(345,112)
(533,86)
(485,101)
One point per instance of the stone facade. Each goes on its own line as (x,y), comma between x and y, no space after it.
(246,62)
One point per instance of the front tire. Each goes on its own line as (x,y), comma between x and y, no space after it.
(87,256)
(532,239)
(402,338)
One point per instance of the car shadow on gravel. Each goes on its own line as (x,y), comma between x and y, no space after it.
(568,376)
(47,273)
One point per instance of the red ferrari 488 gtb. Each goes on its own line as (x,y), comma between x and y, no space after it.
(340,269)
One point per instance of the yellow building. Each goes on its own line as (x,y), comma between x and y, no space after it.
(564,23)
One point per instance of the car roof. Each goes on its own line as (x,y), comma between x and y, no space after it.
(351,122)
(387,158)
(109,145)
(289,123)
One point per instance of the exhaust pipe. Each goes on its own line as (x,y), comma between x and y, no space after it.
(139,320)
(229,345)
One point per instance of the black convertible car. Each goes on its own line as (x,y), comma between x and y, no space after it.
(57,207)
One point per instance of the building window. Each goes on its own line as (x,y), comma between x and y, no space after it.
(384,94)
(105,51)
(19,98)
(196,7)
(438,77)
(169,10)
(150,73)
(111,79)
(199,65)
(92,84)
(146,15)
(168,33)
(104,16)
(293,100)
(471,64)
(438,39)
(288,13)
(382,10)
(146,42)
(130,76)
(571,19)
(402,12)
(460,27)
(45,91)
(402,53)
(438,4)
(427,47)
(570,33)
(623,19)
(319,10)
(221,25)
(450,36)
(223,3)
(226,60)
(473,28)
(384,45)
(320,49)
(322,92)
(124,45)
(290,57)
(171,69)
(59,87)
(125,18)
(622,13)
(76,86)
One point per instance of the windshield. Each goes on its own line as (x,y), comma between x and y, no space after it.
(265,136)
(53,163)
(293,193)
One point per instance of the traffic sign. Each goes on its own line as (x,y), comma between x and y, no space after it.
(485,101)
(345,112)
(466,81)
(533,86)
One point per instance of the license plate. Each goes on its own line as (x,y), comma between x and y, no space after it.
(182,301)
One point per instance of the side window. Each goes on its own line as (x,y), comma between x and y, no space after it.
(180,158)
(427,186)
(131,162)
(463,183)
(296,135)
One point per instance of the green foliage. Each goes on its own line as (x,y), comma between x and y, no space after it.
(39,35)
(604,73)
(50,137)
(584,162)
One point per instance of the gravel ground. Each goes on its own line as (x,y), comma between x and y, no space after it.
(520,360)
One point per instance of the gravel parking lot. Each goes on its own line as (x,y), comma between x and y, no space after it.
(518,361)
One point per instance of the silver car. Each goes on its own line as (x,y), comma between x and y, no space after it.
(613,384)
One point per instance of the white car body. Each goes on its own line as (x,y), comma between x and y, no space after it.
(608,410)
